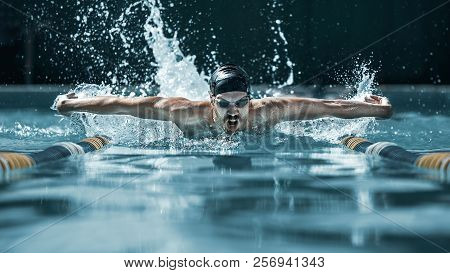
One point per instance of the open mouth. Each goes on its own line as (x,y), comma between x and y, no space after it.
(232,122)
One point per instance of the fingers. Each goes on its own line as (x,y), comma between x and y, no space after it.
(371,99)
(71,95)
(376,99)
(381,100)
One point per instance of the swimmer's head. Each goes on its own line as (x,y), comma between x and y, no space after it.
(229,78)
(230,96)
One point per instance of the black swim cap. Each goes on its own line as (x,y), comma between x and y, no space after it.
(228,78)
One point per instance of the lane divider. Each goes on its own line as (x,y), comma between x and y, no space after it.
(437,161)
(11,161)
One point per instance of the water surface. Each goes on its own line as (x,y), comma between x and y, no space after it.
(283,193)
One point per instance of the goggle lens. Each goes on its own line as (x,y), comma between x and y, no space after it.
(240,103)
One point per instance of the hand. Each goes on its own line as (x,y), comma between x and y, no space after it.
(377,100)
(61,103)
(71,95)
(382,102)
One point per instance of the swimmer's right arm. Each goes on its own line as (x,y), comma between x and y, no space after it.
(174,109)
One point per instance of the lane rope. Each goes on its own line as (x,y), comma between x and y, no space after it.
(436,160)
(10,161)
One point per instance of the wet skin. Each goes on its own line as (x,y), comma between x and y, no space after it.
(228,112)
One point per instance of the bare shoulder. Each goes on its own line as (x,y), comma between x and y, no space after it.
(265,112)
(174,103)
(264,102)
(275,102)
(180,103)
(272,110)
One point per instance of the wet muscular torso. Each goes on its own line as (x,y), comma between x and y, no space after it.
(200,122)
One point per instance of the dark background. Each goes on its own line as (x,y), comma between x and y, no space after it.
(320,34)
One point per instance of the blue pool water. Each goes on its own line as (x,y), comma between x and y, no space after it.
(279,192)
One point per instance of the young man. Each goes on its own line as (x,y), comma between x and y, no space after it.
(230,108)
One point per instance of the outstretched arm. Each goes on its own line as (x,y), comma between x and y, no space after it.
(291,108)
(158,108)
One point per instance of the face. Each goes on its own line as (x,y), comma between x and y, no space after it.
(231,110)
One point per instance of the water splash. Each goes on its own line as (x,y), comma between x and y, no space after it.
(177,74)
(143,55)
(25,131)
(331,130)
(280,42)
(365,81)
(129,131)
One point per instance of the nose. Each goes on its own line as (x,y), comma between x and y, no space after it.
(233,116)
(233,111)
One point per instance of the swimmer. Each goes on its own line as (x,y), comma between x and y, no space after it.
(230,108)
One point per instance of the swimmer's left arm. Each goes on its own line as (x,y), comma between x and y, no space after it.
(292,108)
(373,106)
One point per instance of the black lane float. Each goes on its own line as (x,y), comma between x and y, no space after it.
(11,161)
(437,161)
